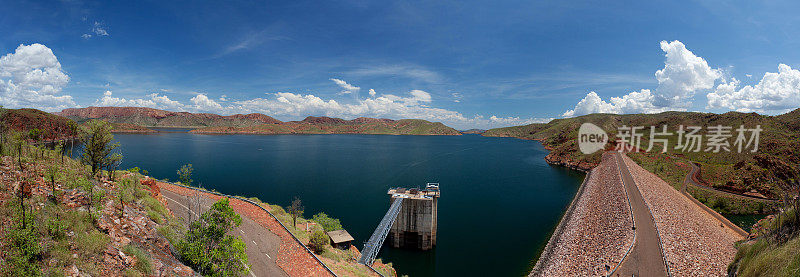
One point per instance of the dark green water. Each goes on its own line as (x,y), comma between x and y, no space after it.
(499,200)
(744,221)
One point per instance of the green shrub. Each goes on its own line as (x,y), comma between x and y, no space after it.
(24,253)
(209,249)
(129,272)
(92,242)
(318,241)
(765,258)
(328,223)
(56,228)
(143,262)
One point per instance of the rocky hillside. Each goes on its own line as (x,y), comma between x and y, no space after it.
(136,119)
(148,117)
(23,120)
(474,131)
(775,162)
(56,222)
(328,125)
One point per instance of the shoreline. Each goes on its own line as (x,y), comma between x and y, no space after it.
(594,233)
(546,254)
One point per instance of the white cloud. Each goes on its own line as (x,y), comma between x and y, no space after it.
(346,88)
(407,71)
(372,92)
(683,75)
(100,29)
(203,103)
(592,103)
(86,36)
(296,106)
(456,97)
(163,102)
(32,77)
(776,92)
(154,101)
(413,105)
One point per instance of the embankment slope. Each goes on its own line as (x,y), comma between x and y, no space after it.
(694,242)
(597,230)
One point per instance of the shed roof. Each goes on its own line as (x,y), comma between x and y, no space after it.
(340,236)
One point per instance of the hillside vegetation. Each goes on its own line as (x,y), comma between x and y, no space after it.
(137,119)
(57,219)
(148,117)
(48,125)
(328,125)
(775,162)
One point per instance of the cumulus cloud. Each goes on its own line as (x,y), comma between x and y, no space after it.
(32,77)
(153,100)
(203,103)
(346,88)
(776,92)
(414,104)
(683,75)
(372,92)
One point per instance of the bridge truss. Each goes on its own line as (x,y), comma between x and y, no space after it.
(373,245)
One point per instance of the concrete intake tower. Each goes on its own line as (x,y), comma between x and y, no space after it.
(416,223)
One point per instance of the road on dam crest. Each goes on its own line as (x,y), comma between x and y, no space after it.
(262,245)
(646,258)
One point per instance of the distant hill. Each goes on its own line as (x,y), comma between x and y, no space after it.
(23,120)
(133,119)
(148,117)
(329,125)
(473,131)
(777,159)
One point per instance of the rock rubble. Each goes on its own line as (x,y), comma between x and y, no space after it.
(597,233)
(694,242)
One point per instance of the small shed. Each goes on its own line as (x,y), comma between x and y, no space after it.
(340,239)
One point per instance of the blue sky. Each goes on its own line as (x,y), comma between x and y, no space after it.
(465,63)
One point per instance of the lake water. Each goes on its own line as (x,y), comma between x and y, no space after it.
(499,199)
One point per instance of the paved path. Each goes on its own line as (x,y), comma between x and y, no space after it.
(645,259)
(262,245)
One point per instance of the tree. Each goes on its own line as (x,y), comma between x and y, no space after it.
(327,223)
(19,143)
(114,160)
(98,145)
(126,193)
(73,131)
(35,134)
(50,174)
(185,174)
(208,248)
(60,148)
(296,210)
(318,241)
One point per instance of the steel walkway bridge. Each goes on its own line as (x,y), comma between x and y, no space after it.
(373,245)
